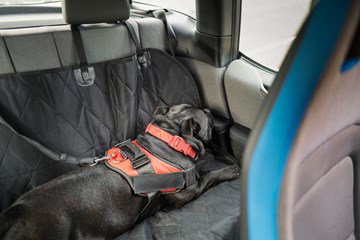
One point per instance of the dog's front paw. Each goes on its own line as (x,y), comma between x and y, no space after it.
(230,173)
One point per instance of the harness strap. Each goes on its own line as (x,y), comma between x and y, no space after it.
(153,201)
(175,142)
(138,159)
(164,183)
(156,182)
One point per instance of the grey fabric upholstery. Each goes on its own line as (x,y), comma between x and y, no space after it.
(351,237)
(152,33)
(211,80)
(329,202)
(108,42)
(5,63)
(323,200)
(29,47)
(245,92)
(321,186)
(78,12)
(102,42)
(324,196)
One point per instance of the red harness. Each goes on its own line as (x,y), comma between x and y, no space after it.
(148,173)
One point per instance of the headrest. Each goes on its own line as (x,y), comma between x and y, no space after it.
(77,12)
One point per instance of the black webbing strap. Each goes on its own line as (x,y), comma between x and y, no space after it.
(143,57)
(154,201)
(190,176)
(172,40)
(79,45)
(85,75)
(61,157)
(133,35)
(155,182)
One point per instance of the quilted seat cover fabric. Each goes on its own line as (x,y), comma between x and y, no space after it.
(23,167)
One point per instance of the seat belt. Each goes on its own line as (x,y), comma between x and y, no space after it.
(172,40)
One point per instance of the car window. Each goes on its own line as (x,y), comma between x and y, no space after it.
(184,6)
(25,2)
(267,27)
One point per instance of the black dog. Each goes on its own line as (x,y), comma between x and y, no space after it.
(96,202)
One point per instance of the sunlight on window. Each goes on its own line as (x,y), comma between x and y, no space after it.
(269,27)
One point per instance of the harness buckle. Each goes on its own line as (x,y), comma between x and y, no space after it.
(179,144)
(140,161)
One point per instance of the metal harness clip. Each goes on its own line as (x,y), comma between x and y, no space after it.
(97,160)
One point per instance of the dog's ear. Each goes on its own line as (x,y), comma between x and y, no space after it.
(187,127)
(161,110)
(210,116)
(208,112)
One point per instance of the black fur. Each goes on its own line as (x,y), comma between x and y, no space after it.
(96,202)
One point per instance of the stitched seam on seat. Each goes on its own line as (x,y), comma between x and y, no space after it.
(318,181)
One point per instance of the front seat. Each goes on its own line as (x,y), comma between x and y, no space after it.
(301,177)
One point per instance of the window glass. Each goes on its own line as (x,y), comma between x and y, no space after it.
(183,6)
(269,27)
(25,2)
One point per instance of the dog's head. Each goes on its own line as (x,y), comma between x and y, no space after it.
(193,124)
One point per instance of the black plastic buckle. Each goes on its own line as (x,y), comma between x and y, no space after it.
(140,161)
(85,76)
(144,59)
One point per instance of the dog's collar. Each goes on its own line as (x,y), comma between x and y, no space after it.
(175,142)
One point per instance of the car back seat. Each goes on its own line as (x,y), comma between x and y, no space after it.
(41,100)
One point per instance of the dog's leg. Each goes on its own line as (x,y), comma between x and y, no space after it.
(206,181)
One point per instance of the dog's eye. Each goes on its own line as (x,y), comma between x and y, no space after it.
(196,128)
